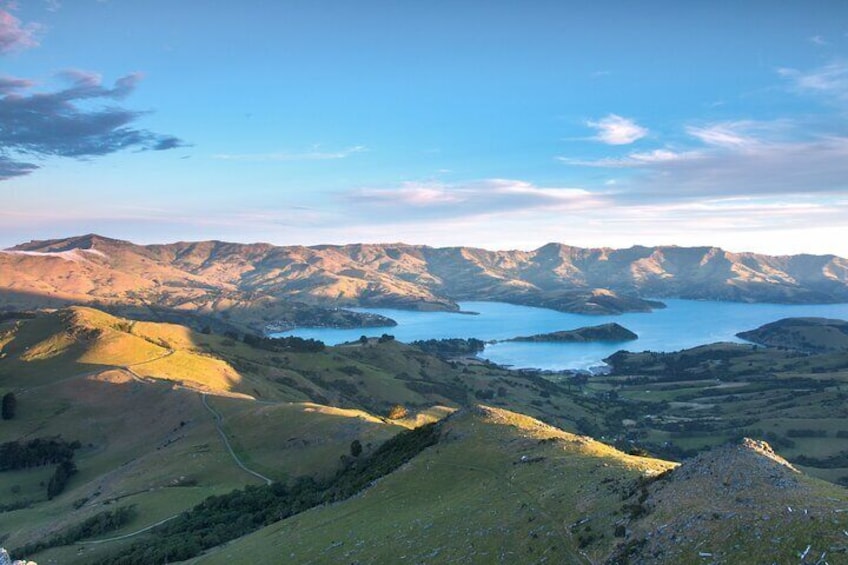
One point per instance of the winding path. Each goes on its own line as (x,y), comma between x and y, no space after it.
(218,420)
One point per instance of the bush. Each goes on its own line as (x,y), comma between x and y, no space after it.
(10,405)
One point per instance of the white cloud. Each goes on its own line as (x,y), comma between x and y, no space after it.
(314,154)
(615,130)
(727,134)
(828,80)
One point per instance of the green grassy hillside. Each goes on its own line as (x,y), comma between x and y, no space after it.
(501,487)
(162,417)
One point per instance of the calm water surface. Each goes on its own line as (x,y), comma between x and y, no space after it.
(684,323)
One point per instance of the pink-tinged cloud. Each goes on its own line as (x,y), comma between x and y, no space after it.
(636,159)
(477,198)
(9,85)
(13,35)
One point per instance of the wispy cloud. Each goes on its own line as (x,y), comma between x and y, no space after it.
(777,169)
(616,130)
(471,199)
(725,134)
(47,124)
(635,159)
(14,35)
(829,80)
(314,154)
(12,84)
(818,40)
(742,158)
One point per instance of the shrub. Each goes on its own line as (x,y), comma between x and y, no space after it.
(10,405)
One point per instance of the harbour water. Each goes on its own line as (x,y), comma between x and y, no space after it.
(683,324)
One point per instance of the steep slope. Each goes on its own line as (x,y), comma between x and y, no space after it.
(259,284)
(739,504)
(501,487)
(498,487)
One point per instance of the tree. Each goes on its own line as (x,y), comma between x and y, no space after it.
(355,448)
(10,405)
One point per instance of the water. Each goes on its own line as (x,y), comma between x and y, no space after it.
(683,324)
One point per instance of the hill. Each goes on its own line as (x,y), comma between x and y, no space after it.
(158,418)
(261,286)
(500,487)
(165,416)
(813,335)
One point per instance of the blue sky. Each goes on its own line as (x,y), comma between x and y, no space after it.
(488,123)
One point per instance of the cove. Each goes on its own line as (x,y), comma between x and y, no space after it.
(683,324)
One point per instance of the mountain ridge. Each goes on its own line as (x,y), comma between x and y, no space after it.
(258,282)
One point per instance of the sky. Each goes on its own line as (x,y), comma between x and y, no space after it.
(489,123)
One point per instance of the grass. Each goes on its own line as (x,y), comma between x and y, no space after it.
(469,499)
(287,414)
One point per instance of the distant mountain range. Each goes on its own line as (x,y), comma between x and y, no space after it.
(254,285)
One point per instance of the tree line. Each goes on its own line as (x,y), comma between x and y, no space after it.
(280,344)
(219,519)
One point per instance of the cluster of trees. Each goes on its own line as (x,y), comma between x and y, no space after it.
(453,347)
(10,406)
(35,453)
(100,523)
(60,478)
(39,452)
(222,518)
(288,343)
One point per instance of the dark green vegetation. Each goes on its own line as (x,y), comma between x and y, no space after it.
(451,347)
(676,404)
(35,453)
(10,405)
(293,344)
(101,523)
(605,332)
(220,519)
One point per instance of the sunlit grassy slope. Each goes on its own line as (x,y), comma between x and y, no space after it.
(498,487)
(130,393)
(503,488)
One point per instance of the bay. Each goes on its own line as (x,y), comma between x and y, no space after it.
(682,324)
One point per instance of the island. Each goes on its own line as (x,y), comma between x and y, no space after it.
(605,332)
